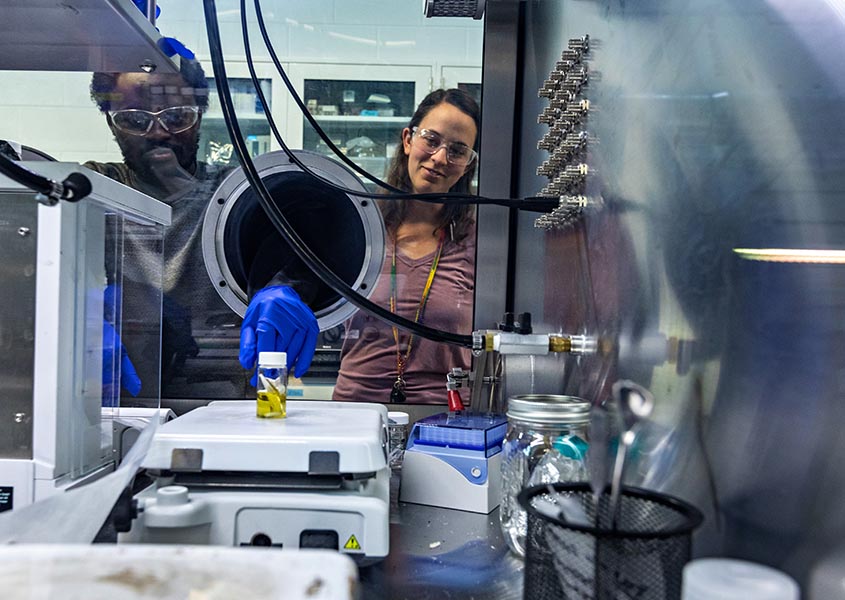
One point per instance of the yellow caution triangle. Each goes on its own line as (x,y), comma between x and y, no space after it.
(352,543)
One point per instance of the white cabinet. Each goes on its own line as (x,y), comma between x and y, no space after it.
(215,143)
(361,108)
(465,78)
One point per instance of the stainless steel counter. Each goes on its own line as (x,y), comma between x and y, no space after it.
(443,554)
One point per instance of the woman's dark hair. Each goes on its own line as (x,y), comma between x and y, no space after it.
(103,85)
(459,216)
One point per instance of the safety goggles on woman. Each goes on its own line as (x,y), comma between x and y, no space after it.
(431,142)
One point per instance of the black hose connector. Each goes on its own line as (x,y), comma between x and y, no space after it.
(75,187)
(524,326)
(507,323)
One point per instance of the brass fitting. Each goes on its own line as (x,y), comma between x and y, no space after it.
(560,344)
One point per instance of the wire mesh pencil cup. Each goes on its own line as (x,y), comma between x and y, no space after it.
(642,558)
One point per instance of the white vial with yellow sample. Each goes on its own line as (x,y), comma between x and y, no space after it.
(272,385)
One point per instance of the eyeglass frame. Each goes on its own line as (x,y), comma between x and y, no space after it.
(155,118)
(445,144)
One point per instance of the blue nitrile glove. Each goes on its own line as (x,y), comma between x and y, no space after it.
(171,46)
(142,6)
(277,320)
(129,379)
(168,45)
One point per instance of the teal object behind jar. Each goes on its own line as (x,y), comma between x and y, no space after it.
(546,442)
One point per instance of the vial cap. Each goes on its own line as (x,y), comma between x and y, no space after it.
(729,579)
(273,359)
(398,417)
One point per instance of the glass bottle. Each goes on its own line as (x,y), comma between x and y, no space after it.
(272,385)
(546,442)
(397,437)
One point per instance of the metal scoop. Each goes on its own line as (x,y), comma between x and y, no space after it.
(634,403)
(598,460)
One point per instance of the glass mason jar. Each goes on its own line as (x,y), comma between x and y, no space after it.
(546,442)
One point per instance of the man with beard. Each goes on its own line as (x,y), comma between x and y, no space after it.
(155,119)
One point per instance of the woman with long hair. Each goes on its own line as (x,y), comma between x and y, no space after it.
(429,267)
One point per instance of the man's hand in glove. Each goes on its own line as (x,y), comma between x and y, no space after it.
(115,357)
(114,351)
(277,320)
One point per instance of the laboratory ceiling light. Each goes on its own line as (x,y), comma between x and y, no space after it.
(792,255)
(454,8)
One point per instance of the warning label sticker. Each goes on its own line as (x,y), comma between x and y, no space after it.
(352,543)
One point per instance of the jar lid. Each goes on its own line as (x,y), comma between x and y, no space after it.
(272,359)
(548,408)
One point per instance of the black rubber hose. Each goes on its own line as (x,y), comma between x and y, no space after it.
(25,177)
(302,108)
(279,220)
(74,187)
(535,204)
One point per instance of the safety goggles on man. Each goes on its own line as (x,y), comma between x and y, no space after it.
(136,121)
(430,142)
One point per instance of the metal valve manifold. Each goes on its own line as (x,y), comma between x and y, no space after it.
(567,139)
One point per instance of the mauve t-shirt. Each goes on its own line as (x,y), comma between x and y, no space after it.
(368,364)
